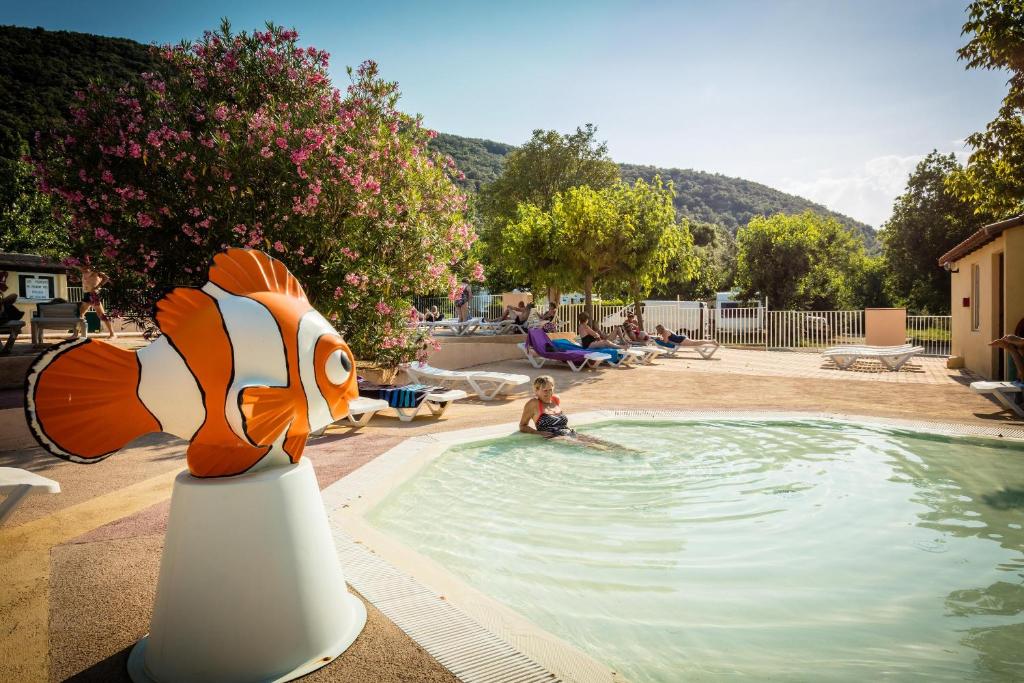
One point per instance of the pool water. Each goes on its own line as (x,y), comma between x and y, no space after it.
(767,550)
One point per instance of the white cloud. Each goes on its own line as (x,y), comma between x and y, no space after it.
(866,193)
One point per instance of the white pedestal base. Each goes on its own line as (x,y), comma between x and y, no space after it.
(250,585)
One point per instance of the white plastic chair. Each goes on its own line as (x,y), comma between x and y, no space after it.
(486,385)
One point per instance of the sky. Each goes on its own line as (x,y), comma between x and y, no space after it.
(835,101)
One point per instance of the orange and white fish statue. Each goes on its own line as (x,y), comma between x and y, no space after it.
(245,369)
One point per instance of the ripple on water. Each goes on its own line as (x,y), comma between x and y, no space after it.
(727,549)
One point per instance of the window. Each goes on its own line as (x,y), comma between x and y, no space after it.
(975,293)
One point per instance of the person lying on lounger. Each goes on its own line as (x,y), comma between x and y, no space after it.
(666,338)
(592,339)
(1015,346)
(545,411)
(632,330)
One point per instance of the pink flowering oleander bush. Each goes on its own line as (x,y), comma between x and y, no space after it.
(242,140)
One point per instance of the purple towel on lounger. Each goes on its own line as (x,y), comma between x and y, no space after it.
(538,340)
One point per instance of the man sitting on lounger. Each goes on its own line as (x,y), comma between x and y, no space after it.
(671,341)
(519,313)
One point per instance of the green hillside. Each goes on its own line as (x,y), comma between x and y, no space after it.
(40,70)
(705,197)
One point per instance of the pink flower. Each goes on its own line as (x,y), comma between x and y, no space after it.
(278,246)
(144,219)
(282,143)
(382,308)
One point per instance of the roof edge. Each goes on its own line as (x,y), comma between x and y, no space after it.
(979,239)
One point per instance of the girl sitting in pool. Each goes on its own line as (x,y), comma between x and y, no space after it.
(545,411)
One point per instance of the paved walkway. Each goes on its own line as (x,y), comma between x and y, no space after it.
(920,370)
(78,569)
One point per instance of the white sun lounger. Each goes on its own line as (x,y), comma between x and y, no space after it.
(893,357)
(627,358)
(1003,392)
(360,411)
(855,347)
(437,401)
(486,385)
(460,329)
(593,359)
(648,352)
(705,351)
(17,483)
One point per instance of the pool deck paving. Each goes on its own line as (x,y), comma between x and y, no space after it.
(78,569)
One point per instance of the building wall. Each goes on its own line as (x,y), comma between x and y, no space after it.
(970,344)
(60,289)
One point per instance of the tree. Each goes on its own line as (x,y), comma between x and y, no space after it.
(26,216)
(530,251)
(622,239)
(548,164)
(927,221)
(870,284)
(653,244)
(799,262)
(993,179)
(242,141)
(713,265)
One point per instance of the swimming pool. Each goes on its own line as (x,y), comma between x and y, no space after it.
(782,549)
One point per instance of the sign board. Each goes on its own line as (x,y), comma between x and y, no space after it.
(36,286)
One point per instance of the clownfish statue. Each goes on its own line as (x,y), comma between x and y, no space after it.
(244,370)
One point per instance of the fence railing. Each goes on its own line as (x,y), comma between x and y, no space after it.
(933,332)
(813,330)
(752,326)
(481,305)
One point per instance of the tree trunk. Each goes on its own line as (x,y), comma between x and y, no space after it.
(639,310)
(554,294)
(588,288)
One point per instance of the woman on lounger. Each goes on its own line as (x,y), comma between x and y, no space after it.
(593,339)
(545,411)
(549,318)
(666,338)
(433,315)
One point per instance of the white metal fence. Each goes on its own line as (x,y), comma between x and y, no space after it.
(933,332)
(481,305)
(751,326)
(813,330)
